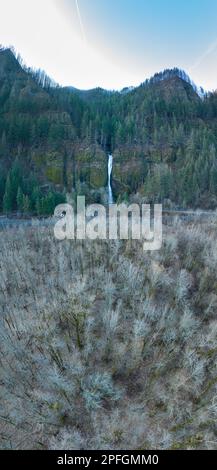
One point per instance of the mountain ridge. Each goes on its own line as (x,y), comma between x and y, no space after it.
(157,132)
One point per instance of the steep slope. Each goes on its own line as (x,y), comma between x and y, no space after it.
(39,130)
(165,143)
(163,137)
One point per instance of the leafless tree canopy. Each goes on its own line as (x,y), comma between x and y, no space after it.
(106,346)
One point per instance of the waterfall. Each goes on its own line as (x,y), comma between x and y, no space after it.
(110,195)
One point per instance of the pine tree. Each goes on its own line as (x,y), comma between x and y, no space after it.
(49,203)
(20,199)
(2,189)
(38,206)
(8,196)
(35,196)
(16,181)
(213,179)
(26,204)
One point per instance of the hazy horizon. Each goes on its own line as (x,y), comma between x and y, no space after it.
(24,64)
(110,44)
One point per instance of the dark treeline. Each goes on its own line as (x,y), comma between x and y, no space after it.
(23,194)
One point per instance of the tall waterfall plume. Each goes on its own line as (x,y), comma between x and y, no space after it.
(110,195)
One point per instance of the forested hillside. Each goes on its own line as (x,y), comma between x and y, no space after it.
(55,140)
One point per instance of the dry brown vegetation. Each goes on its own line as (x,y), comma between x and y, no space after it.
(106,346)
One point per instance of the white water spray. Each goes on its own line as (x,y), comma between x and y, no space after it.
(110,195)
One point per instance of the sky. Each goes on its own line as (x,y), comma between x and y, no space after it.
(113,43)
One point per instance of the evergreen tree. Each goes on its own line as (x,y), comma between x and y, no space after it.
(26,204)
(8,196)
(20,199)
(2,189)
(49,203)
(213,179)
(38,206)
